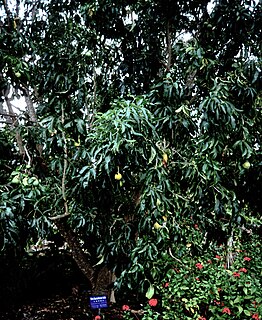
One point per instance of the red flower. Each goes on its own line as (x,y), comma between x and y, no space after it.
(202,318)
(196,226)
(209,261)
(166,284)
(197,279)
(236,274)
(199,265)
(218,257)
(255,316)
(153,302)
(243,270)
(97,317)
(226,310)
(125,307)
(247,259)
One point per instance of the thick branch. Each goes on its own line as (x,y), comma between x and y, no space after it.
(8,13)
(66,210)
(14,122)
(29,105)
(8,115)
(77,252)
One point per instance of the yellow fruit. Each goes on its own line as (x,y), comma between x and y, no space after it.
(118,176)
(165,157)
(157,225)
(164,218)
(77,144)
(18,74)
(246,165)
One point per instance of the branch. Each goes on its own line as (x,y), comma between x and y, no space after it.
(169,45)
(8,115)
(229,256)
(8,13)
(171,254)
(17,7)
(60,216)
(29,105)
(66,213)
(14,121)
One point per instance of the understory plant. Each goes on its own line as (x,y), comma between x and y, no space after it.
(210,287)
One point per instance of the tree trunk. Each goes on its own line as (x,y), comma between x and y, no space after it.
(77,253)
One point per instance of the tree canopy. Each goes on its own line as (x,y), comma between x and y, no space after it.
(140,141)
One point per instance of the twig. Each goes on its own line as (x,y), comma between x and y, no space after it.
(140,312)
(171,254)
(60,216)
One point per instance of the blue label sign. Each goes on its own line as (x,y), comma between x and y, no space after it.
(98,302)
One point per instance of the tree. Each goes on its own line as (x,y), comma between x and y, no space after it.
(139,134)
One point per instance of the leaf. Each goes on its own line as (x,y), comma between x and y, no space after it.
(247,313)
(240,309)
(150,291)
(238,299)
(100,261)
(80,125)
(153,154)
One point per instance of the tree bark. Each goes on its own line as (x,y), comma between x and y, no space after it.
(77,253)
(13,117)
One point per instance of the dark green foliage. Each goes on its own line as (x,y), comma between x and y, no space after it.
(117,85)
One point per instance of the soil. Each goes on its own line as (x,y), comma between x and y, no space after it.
(59,307)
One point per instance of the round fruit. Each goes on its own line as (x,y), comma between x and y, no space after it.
(18,74)
(157,225)
(118,176)
(246,165)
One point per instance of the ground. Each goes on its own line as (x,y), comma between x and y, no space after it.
(58,307)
